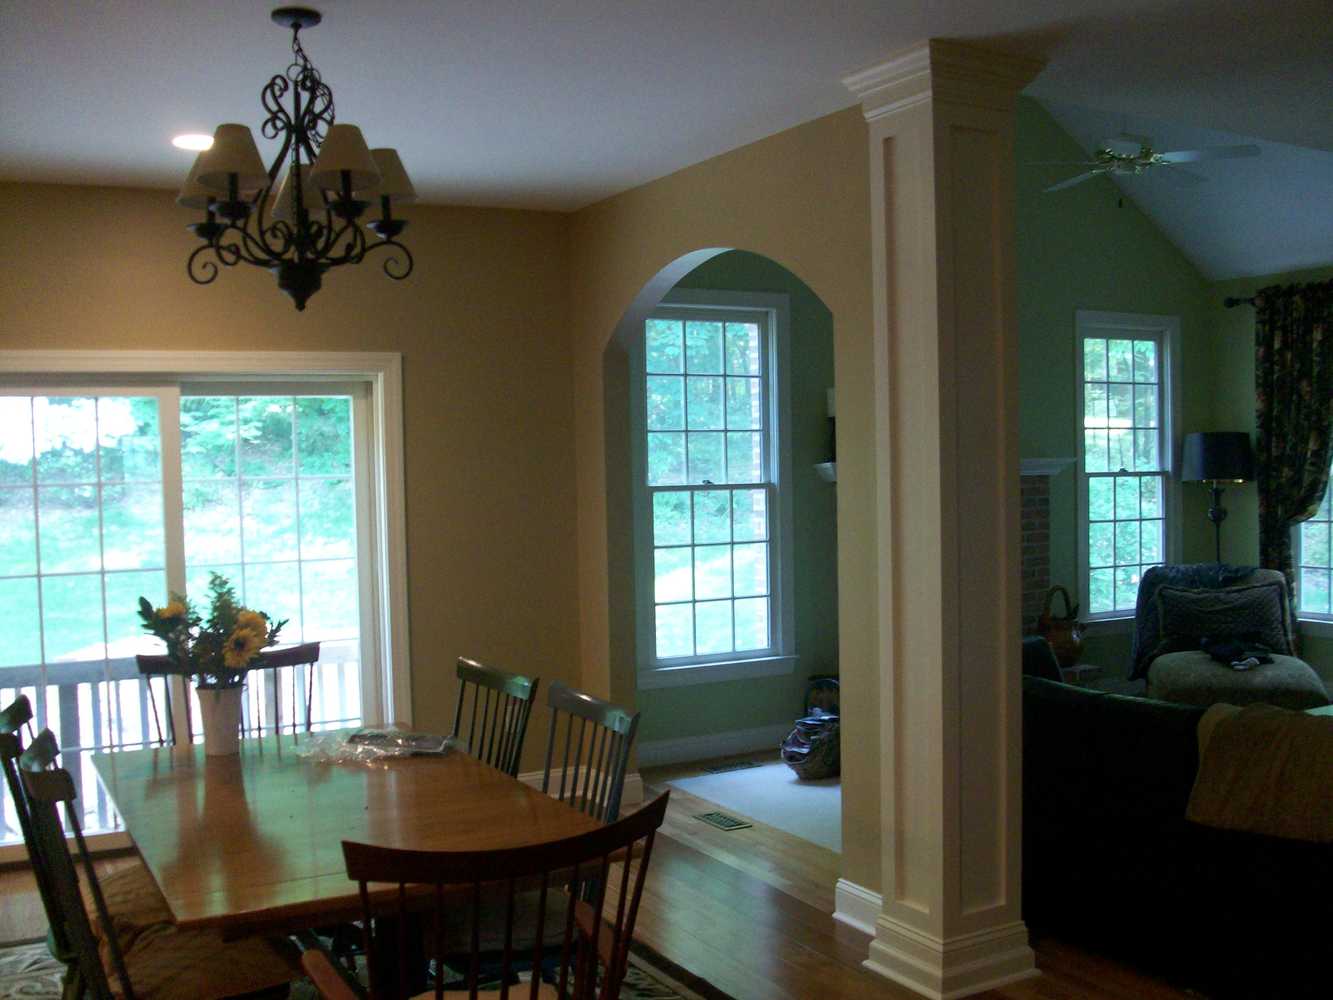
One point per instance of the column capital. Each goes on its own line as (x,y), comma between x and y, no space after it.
(939,68)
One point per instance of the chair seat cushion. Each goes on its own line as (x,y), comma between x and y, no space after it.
(134,902)
(1195,678)
(166,963)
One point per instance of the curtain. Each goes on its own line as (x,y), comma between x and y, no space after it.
(1293,376)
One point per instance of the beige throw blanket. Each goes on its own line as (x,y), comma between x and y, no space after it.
(1265,770)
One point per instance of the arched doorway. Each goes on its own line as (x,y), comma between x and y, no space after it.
(724,623)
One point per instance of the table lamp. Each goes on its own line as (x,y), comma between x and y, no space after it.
(1217,458)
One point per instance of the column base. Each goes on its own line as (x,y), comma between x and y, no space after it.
(958,967)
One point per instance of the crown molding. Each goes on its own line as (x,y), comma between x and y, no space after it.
(956,71)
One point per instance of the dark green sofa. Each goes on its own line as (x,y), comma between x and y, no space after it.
(1110,862)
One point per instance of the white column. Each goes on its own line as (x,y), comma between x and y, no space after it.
(941,160)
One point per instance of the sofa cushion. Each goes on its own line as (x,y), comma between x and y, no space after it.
(1195,678)
(1257,612)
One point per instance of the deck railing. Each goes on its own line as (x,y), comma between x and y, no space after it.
(101,705)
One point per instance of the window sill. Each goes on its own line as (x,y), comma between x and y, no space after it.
(1320,628)
(712,673)
(1109,626)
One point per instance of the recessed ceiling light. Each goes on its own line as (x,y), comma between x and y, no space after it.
(192,140)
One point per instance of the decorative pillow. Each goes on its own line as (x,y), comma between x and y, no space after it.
(1255,613)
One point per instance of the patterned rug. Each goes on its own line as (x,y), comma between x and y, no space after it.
(28,970)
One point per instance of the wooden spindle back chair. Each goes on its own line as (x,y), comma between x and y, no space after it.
(155,667)
(14,719)
(597,928)
(47,786)
(497,723)
(293,659)
(597,738)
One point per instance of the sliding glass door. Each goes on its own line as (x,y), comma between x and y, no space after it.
(107,494)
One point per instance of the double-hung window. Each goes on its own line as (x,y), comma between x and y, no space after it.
(713,514)
(1124,398)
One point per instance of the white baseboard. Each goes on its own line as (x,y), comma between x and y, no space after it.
(653,753)
(631,796)
(856,906)
(952,969)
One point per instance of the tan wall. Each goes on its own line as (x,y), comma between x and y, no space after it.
(482,327)
(801,198)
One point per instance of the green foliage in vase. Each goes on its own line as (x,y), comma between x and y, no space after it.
(218,650)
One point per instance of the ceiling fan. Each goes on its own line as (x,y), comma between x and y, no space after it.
(1133,155)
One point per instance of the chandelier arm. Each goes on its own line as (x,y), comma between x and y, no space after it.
(201,272)
(393,267)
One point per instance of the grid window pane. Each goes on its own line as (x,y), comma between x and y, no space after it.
(712,627)
(675,630)
(707,429)
(671,518)
(672,569)
(665,352)
(704,403)
(712,516)
(1122,465)
(703,348)
(666,403)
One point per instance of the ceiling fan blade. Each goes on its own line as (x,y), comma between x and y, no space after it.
(1074,180)
(1208,153)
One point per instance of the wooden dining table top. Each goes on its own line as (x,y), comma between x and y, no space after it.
(253,841)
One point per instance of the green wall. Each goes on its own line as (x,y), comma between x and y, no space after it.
(1233,410)
(727,706)
(1087,248)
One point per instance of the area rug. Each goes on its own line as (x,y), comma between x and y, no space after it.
(772,794)
(28,971)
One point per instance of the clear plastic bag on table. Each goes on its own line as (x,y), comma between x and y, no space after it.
(373,746)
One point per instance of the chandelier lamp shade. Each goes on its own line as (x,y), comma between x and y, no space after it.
(300,216)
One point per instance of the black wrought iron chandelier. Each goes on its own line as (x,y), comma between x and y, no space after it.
(308,223)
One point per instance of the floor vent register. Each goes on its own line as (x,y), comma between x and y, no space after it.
(723,822)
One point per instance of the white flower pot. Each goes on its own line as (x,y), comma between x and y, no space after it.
(221,712)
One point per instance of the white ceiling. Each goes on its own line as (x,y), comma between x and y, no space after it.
(559,103)
(1259,215)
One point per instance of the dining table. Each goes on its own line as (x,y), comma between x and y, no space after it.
(252,842)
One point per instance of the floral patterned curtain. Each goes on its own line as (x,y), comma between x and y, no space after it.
(1293,381)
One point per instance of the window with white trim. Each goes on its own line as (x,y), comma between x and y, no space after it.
(1314,564)
(710,504)
(1124,455)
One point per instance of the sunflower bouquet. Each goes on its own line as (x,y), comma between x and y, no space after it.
(217,650)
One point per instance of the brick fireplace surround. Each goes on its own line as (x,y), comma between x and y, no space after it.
(1035,493)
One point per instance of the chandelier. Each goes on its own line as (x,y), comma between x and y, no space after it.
(307,223)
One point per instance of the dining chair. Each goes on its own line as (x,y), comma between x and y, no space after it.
(291,659)
(498,724)
(148,962)
(591,782)
(595,929)
(14,719)
(160,668)
(132,896)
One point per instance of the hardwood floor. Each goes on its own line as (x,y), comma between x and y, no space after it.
(750,912)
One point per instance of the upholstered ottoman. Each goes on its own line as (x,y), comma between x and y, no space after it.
(1195,678)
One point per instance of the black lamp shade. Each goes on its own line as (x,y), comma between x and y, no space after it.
(1217,455)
